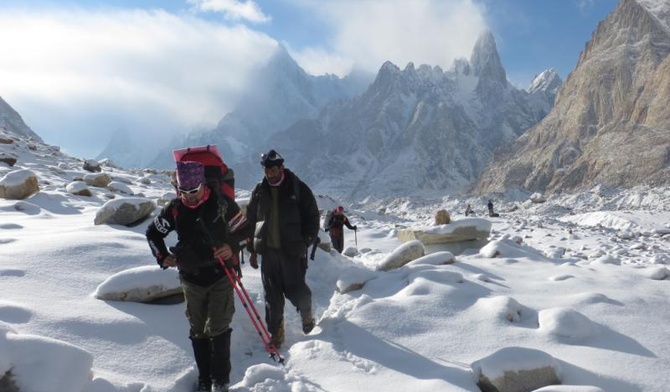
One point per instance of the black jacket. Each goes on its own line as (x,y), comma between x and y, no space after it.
(198,230)
(298,214)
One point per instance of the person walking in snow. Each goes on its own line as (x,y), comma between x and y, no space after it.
(285,215)
(468,210)
(490,207)
(335,227)
(203,237)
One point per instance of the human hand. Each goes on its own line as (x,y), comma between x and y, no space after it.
(253,260)
(355,227)
(169,261)
(224,252)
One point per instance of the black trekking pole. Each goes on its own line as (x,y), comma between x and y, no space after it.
(356,236)
(314,246)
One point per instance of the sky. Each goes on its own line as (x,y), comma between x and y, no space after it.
(579,283)
(78,71)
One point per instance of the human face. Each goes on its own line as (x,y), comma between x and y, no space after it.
(192,196)
(274,174)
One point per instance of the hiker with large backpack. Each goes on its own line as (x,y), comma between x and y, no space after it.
(210,227)
(334,225)
(285,215)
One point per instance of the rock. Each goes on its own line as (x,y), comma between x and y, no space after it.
(100,180)
(116,186)
(402,255)
(457,231)
(78,188)
(19,185)
(516,369)
(442,217)
(92,166)
(9,159)
(124,211)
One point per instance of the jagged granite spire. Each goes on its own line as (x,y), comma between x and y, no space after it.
(485,60)
(611,119)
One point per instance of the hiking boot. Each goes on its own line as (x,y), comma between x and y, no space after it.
(204,385)
(308,323)
(220,387)
(278,337)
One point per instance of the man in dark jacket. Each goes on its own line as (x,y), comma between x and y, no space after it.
(201,217)
(284,213)
(335,226)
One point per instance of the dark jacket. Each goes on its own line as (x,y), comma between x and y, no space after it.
(298,215)
(198,230)
(337,222)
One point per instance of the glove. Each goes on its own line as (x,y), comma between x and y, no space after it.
(231,263)
(253,260)
(355,227)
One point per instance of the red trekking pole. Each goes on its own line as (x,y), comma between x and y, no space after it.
(252,312)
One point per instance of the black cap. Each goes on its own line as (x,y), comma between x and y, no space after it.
(271,158)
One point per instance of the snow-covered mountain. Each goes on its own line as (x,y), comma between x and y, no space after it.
(425,129)
(11,121)
(611,121)
(280,94)
(417,130)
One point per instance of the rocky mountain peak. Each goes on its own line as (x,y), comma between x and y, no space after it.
(485,60)
(546,81)
(611,119)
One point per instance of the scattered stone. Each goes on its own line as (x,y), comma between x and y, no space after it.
(516,369)
(19,185)
(442,217)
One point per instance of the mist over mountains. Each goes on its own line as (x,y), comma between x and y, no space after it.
(422,130)
(417,130)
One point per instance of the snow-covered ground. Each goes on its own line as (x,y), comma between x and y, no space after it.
(583,278)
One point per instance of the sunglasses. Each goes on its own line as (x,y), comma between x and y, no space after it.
(190,191)
(271,159)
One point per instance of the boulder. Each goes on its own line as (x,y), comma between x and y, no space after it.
(124,211)
(78,188)
(100,180)
(402,255)
(92,166)
(516,369)
(456,231)
(9,159)
(18,185)
(442,217)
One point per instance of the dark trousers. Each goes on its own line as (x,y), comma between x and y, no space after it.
(284,277)
(338,241)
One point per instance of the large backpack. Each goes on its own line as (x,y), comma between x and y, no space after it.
(217,174)
(220,178)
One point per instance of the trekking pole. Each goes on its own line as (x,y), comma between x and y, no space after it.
(253,314)
(247,303)
(356,236)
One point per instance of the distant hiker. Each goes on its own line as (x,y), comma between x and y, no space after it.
(284,213)
(490,207)
(468,210)
(334,225)
(199,219)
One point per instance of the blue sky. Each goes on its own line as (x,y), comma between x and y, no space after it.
(78,71)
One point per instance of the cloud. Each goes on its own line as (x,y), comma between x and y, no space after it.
(77,71)
(76,75)
(233,9)
(370,32)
